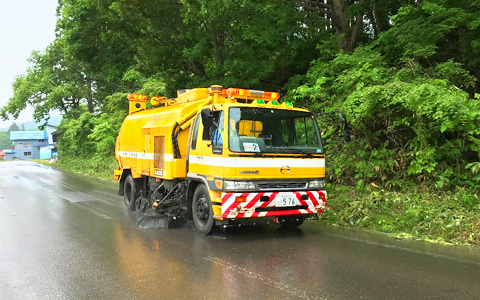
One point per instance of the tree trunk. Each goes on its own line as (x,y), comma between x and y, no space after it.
(382,18)
(218,47)
(374,20)
(198,69)
(89,95)
(349,31)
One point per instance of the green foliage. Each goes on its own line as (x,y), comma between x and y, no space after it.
(437,31)
(95,134)
(5,142)
(191,43)
(474,167)
(75,140)
(95,34)
(408,122)
(53,82)
(104,134)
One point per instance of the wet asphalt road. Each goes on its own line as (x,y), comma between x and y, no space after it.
(66,236)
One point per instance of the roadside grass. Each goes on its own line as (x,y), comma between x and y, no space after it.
(43,161)
(97,166)
(448,217)
(100,167)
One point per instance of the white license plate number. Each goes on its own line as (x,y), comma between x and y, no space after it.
(286,200)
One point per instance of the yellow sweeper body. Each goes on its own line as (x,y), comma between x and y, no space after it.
(221,157)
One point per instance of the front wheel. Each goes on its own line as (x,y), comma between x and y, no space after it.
(131,192)
(202,210)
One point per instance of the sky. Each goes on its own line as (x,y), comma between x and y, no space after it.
(25,26)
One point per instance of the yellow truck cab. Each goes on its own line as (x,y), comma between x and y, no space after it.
(221,157)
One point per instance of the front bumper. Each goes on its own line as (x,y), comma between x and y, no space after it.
(269,205)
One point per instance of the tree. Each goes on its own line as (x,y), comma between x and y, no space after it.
(355,20)
(5,142)
(13,127)
(434,32)
(53,82)
(408,121)
(99,39)
(256,44)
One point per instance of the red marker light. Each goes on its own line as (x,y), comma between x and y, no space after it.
(239,199)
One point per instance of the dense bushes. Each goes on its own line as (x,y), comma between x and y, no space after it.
(407,122)
(87,143)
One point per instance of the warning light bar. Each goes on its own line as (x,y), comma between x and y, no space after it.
(252,94)
(137,97)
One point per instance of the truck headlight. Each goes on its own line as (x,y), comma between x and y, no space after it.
(316,184)
(238,185)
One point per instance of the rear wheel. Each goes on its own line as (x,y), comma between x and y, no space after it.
(202,210)
(131,192)
(139,205)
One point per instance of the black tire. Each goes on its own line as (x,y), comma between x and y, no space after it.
(202,210)
(291,221)
(138,205)
(131,192)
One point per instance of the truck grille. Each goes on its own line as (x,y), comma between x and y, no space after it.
(282,186)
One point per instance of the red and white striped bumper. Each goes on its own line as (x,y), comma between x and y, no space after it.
(270,204)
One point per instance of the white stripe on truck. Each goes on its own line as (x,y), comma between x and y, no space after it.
(143,155)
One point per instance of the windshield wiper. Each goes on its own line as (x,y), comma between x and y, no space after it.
(299,151)
(282,151)
(262,152)
(268,150)
(259,153)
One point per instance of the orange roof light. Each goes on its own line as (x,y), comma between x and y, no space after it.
(137,97)
(272,95)
(253,94)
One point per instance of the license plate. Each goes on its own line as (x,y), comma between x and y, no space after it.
(286,200)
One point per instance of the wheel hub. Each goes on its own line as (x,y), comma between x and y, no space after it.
(202,209)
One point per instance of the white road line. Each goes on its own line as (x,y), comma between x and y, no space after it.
(253,275)
(98,214)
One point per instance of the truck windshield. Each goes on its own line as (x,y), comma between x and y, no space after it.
(268,130)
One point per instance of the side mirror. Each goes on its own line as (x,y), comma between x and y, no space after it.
(207,122)
(346,134)
(343,120)
(207,117)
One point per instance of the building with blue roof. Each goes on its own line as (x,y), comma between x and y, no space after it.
(32,144)
(28,135)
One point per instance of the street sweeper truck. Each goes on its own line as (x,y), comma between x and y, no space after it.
(221,157)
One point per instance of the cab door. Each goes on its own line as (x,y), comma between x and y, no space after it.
(206,156)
